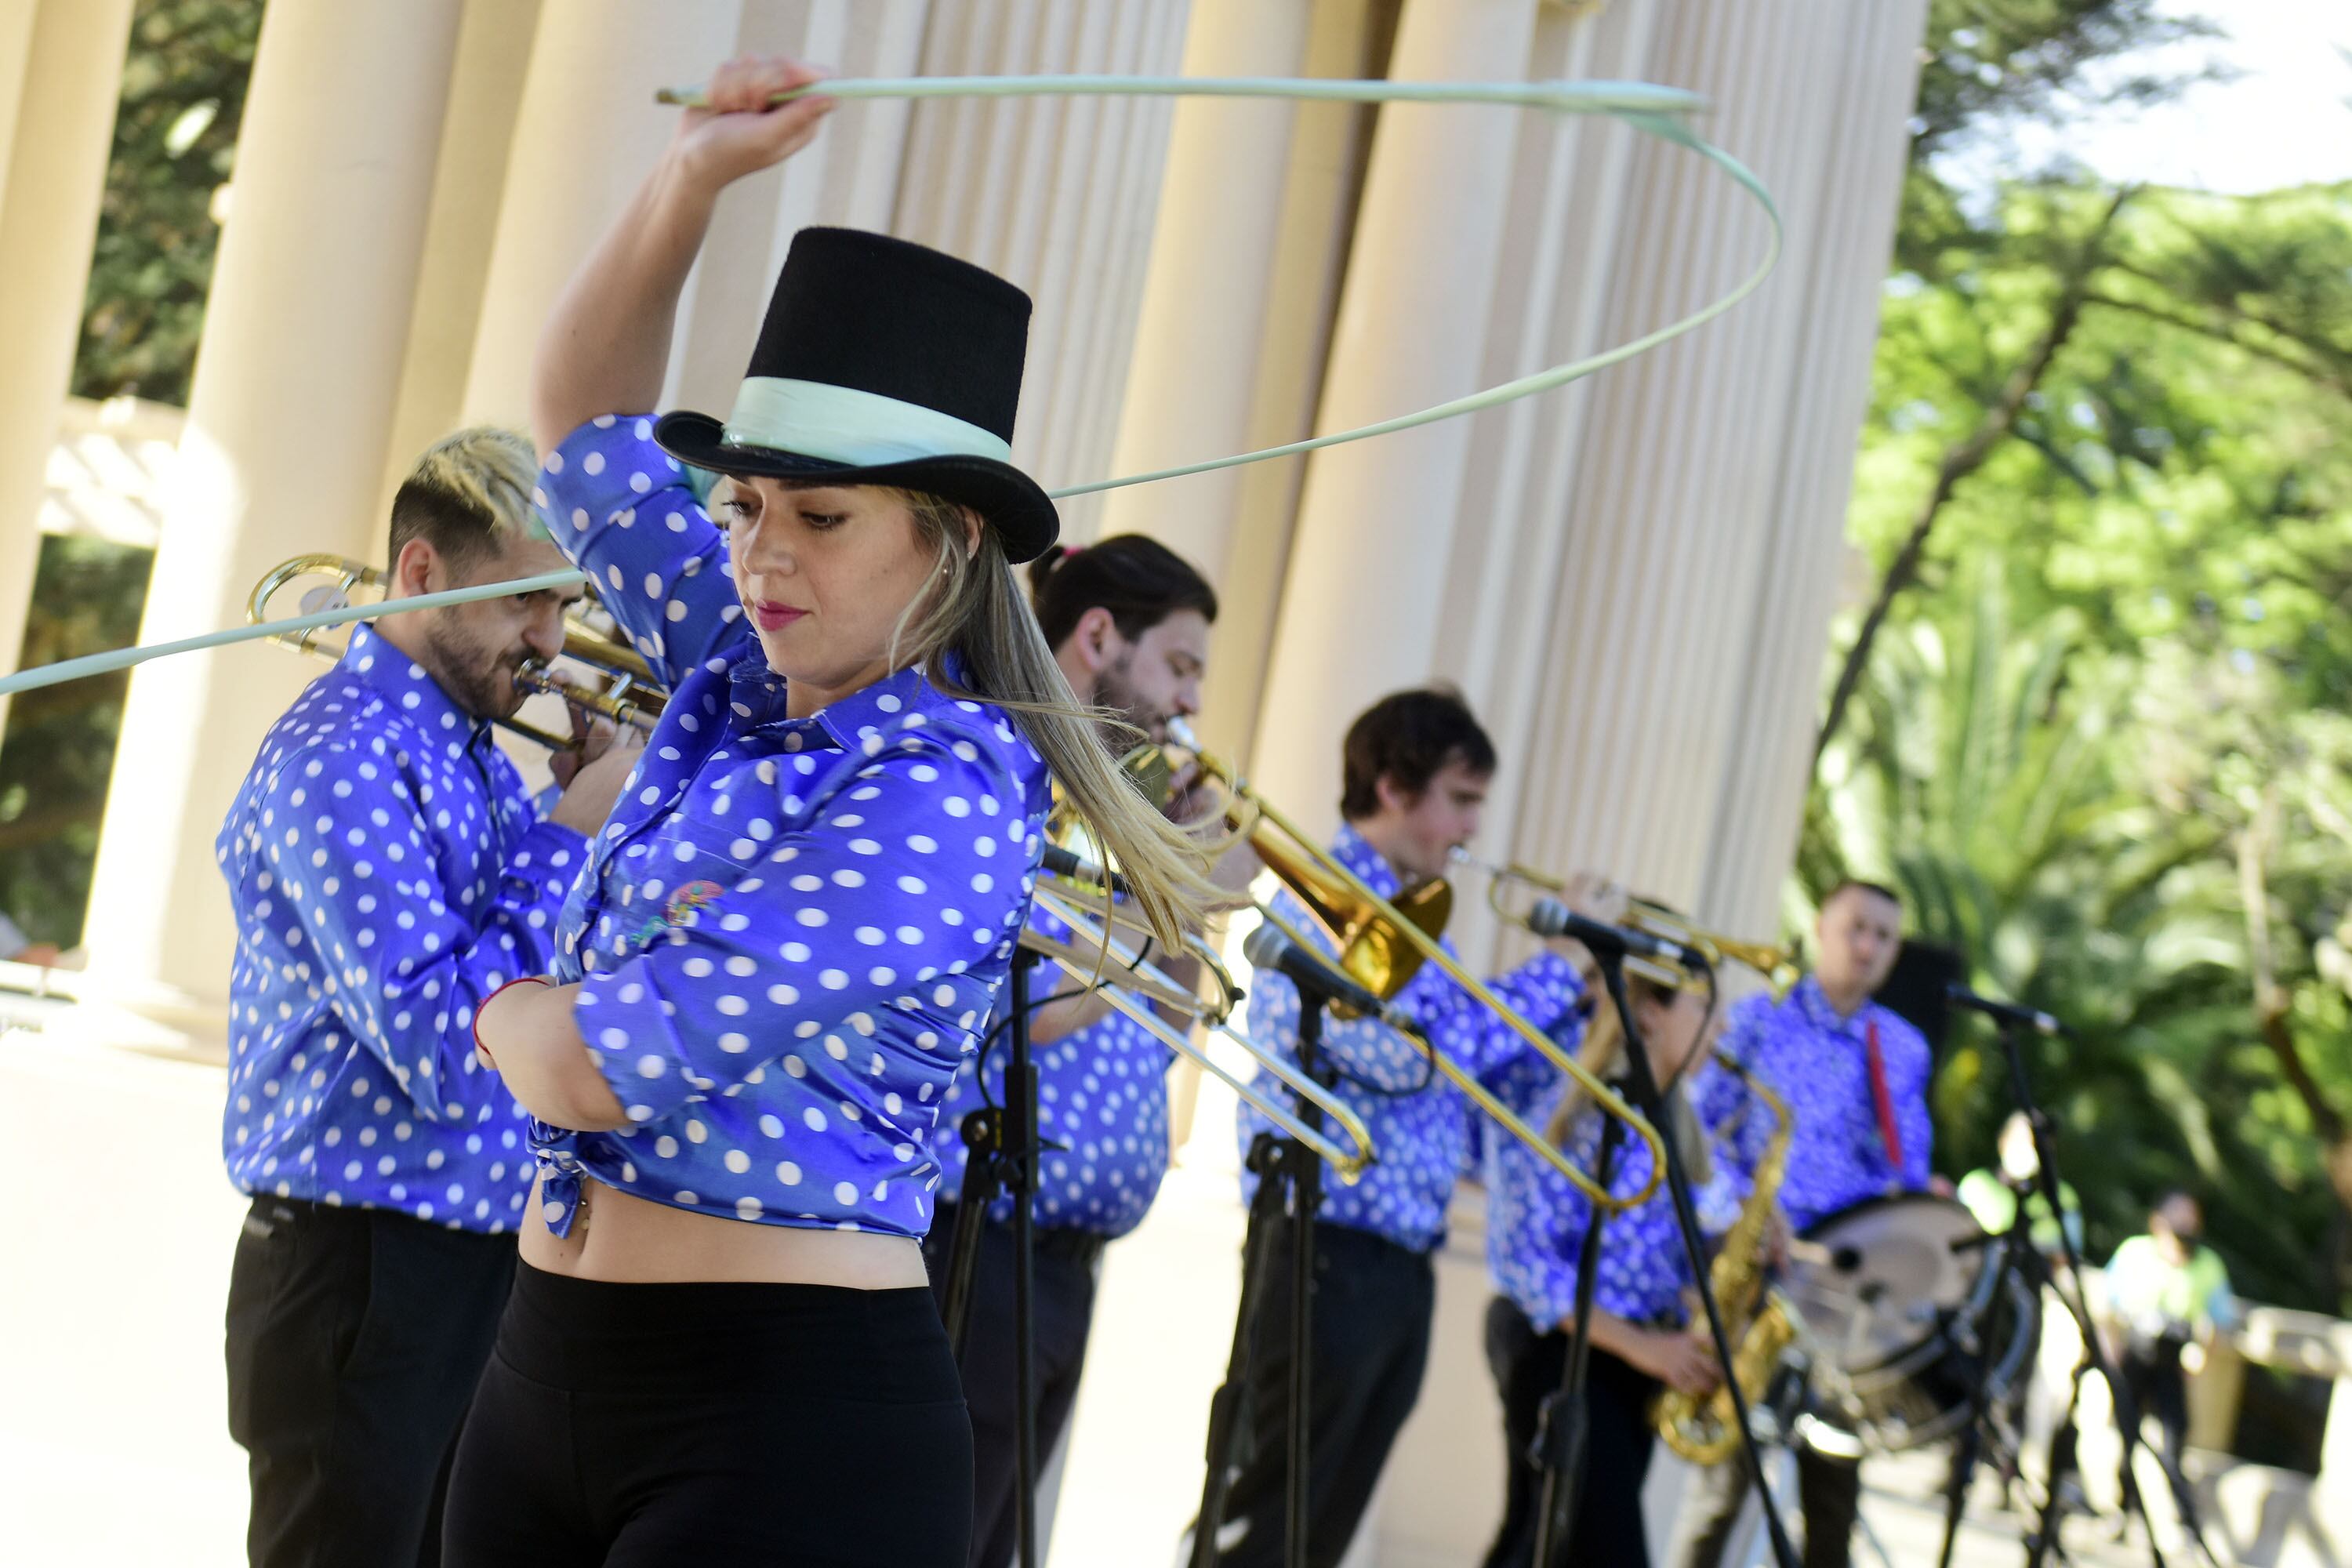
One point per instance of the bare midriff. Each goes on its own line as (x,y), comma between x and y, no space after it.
(626,1240)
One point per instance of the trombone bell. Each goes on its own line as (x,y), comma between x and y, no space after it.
(1323,882)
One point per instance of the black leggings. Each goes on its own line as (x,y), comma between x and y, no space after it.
(713,1424)
(1607,1529)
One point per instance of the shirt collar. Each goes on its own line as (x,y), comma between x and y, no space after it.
(1815,1003)
(374,662)
(756,695)
(1355,851)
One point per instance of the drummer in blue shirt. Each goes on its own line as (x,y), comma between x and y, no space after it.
(388,871)
(1129,622)
(722,1348)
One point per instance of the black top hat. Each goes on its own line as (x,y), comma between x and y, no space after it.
(883,362)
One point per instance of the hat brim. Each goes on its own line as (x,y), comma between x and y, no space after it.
(1009,500)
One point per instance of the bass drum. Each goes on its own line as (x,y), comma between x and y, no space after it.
(1904,1308)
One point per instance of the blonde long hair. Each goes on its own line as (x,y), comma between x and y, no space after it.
(1602,1054)
(979,612)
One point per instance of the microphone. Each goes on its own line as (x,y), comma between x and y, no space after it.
(2010,1012)
(1268,948)
(1072,867)
(1550,917)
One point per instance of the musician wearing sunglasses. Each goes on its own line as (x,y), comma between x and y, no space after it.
(388,870)
(1854,1075)
(720,1347)
(1645,1337)
(1128,621)
(1417,767)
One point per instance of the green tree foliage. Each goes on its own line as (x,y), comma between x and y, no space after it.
(184,85)
(2102,742)
(87,596)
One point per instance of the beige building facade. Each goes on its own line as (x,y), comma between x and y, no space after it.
(1631,578)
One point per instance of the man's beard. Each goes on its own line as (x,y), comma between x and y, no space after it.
(1115,691)
(477,678)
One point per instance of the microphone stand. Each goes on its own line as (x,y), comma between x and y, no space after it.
(2094,1357)
(1649,1100)
(1563,1423)
(1003,1147)
(1278,1163)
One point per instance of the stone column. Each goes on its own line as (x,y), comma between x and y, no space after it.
(1209,281)
(849,176)
(1247,256)
(469,180)
(1377,524)
(1777,701)
(1675,542)
(283,451)
(60,65)
(16,54)
(1057,194)
(587,131)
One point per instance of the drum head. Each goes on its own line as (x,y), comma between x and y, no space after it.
(1874,1282)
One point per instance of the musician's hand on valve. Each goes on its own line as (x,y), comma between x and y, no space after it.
(595,784)
(591,736)
(1679,1359)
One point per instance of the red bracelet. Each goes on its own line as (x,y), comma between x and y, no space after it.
(480,1049)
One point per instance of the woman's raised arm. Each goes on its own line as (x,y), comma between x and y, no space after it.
(606,343)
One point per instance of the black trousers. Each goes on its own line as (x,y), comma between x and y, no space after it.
(1527,1368)
(1829,1495)
(2154,1386)
(1064,1301)
(1372,1304)
(713,1424)
(355,1337)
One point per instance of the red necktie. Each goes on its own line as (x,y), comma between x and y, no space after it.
(1885,1102)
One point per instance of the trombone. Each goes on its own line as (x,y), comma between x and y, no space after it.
(634,699)
(1775,965)
(1094,954)
(1382,945)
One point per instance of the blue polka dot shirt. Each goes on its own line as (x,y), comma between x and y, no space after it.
(1817,1062)
(387,871)
(1102,1095)
(1419,1120)
(1536,1220)
(791,931)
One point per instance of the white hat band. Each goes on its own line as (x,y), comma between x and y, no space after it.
(844,425)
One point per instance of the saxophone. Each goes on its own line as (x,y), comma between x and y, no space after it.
(1757,1322)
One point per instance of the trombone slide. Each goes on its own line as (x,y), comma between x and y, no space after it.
(1306,866)
(1096,957)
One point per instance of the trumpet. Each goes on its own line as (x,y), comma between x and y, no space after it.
(1094,954)
(634,699)
(1777,964)
(1381,946)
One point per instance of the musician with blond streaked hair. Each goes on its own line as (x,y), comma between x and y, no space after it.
(388,870)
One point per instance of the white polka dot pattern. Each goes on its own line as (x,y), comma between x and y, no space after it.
(1536,1220)
(1102,1094)
(387,871)
(1423,1133)
(787,938)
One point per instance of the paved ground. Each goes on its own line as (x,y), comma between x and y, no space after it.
(112,1450)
